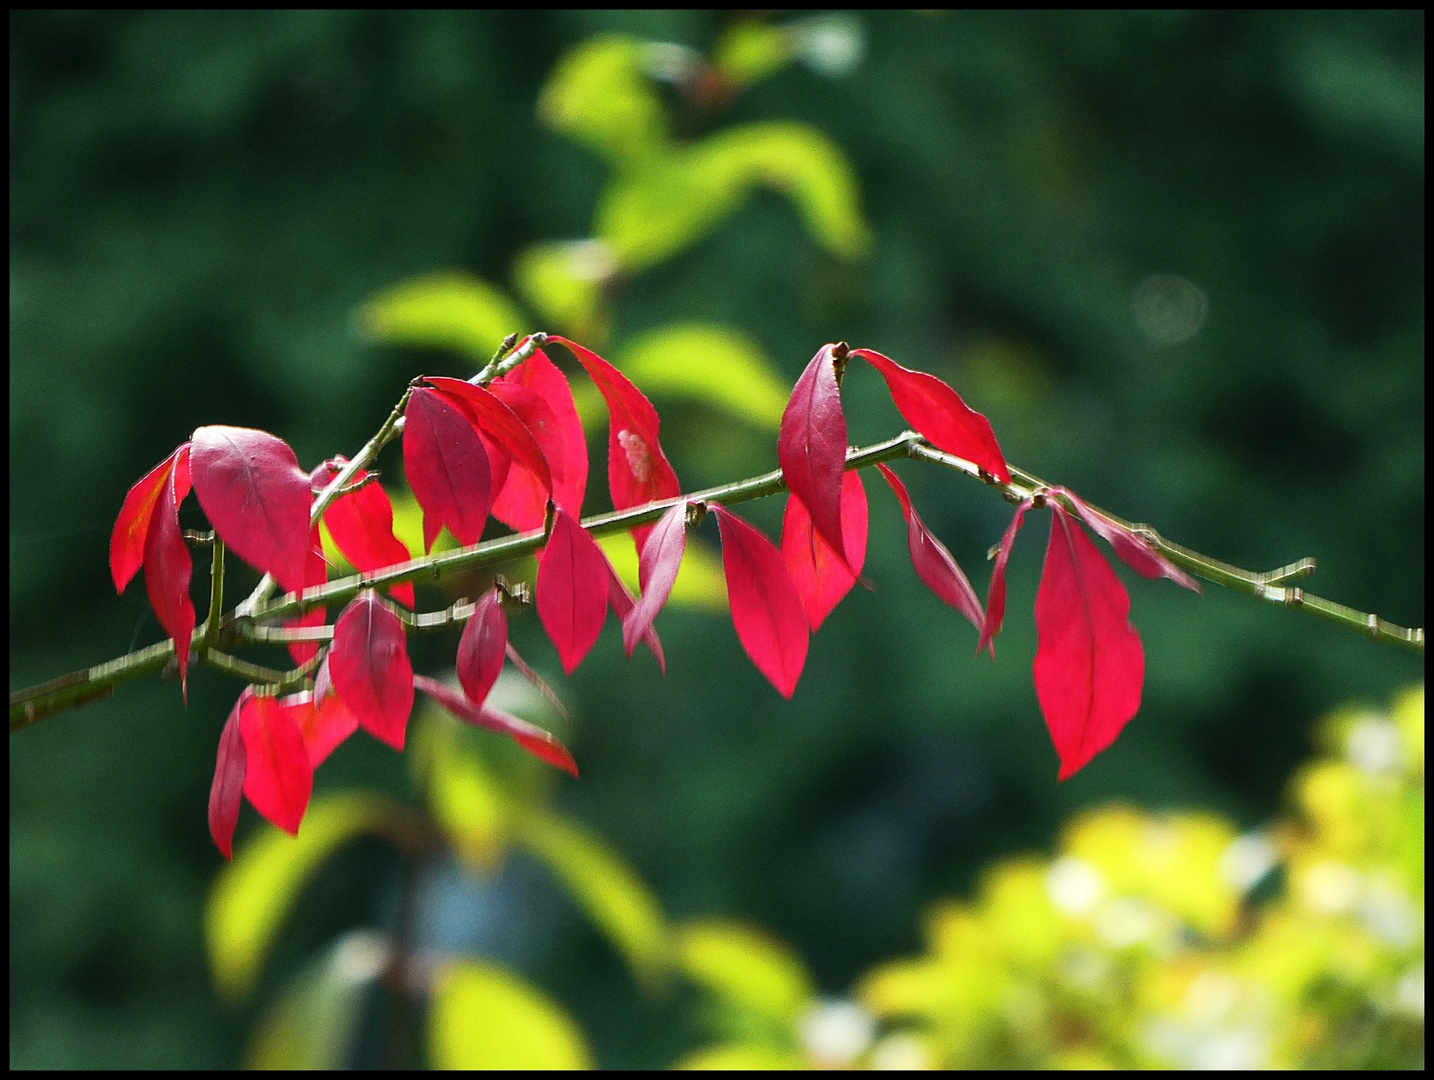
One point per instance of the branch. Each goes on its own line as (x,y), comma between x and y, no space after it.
(89,684)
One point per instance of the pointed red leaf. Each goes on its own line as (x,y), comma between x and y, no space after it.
(167,570)
(447,468)
(766,608)
(227,791)
(482,647)
(637,470)
(278,779)
(132,525)
(1133,549)
(657,567)
(256,497)
(328,721)
(1089,665)
(937,411)
(523,498)
(933,562)
(572,590)
(821,577)
(316,572)
(811,448)
(541,744)
(491,416)
(361,526)
(560,438)
(996,591)
(623,604)
(370,668)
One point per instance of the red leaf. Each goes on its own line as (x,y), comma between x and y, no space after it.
(821,577)
(491,416)
(637,469)
(256,497)
(541,744)
(447,468)
(361,525)
(622,604)
(937,411)
(132,525)
(560,434)
(811,448)
(1134,550)
(996,592)
(572,590)
(482,647)
(227,791)
(933,562)
(370,668)
(766,608)
(167,570)
(316,572)
(328,721)
(657,566)
(522,499)
(1089,663)
(278,779)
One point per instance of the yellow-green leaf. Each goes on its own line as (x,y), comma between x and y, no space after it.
(713,364)
(744,967)
(614,897)
(752,50)
(700,581)
(747,1056)
(464,797)
(252,895)
(599,95)
(446,310)
(564,283)
(484,1017)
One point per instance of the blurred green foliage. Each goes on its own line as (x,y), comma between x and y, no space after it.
(1176,258)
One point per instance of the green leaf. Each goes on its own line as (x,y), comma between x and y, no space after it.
(700,580)
(599,95)
(752,50)
(713,364)
(609,892)
(484,1017)
(564,283)
(252,895)
(745,1056)
(447,311)
(743,967)
(464,798)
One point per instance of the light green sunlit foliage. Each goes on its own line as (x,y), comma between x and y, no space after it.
(1150,940)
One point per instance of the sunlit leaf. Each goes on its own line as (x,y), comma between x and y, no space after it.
(811,447)
(621,601)
(316,572)
(447,468)
(362,527)
(559,433)
(599,95)
(822,578)
(370,668)
(499,423)
(483,1017)
(132,525)
(934,564)
(1133,550)
(700,582)
(712,364)
(766,609)
(615,898)
(658,567)
(571,590)
(542,744)
(757,1057)
(168,568)
(447,310)
(482,647)
(278,778)
(563,281)
(745,968)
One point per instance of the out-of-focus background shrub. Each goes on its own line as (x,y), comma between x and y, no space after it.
(1177,259)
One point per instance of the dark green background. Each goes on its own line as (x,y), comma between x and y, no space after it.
(200,201)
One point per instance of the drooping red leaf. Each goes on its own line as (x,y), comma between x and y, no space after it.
(637,470)
(657,567)
(167,570)
(488,412)
(361,525)
(937,411)
(256,497)
(541,744)
(226,792)
(933,562)
(1134,550)
(316,572)
(622,603)
(572,590)
(328,722)
(811,448)
(562,441)
(482,647)
(996,592)
(523,499)
(132,525)
(1089,666)
(278,778)
(821,578)
(370,669)
(447,468)
(766,608)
